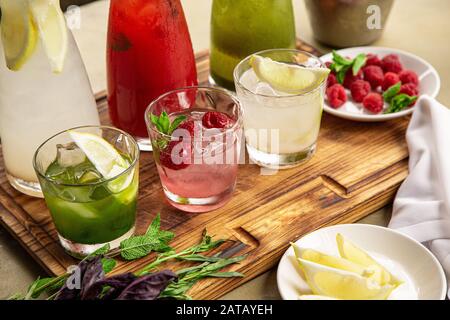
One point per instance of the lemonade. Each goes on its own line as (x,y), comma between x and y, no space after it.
(89,178)
(43,86)
(282,124)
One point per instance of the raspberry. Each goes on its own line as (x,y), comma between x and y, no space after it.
(391,63)
(374,75)
(189,126)
(167,157)
(409,76)
(350,78)
(390,79)
(409,89)
(336,95)
(214,119)
(359,90)
(331,80)
(373,60)
(373,102)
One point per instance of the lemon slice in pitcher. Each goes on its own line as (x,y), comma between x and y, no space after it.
(18,31)
(51,25)
(288,78)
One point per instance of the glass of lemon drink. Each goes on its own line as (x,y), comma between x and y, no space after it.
(44,87)
(282,94)
(89,177)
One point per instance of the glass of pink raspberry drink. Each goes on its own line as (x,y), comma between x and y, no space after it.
(196,137)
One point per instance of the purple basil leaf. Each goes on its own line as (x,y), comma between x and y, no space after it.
(148,287)
(94,272)
(114,285)
(90,271)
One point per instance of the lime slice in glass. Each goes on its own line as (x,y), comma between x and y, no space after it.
(288,78)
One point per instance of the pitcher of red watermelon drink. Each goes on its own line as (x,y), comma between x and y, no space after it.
(149,52)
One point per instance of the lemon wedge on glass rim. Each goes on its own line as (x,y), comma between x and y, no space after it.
(106,159)
(288,78)
(24,22)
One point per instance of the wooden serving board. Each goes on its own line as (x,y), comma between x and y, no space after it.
(356,170)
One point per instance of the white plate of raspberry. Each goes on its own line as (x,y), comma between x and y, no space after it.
(383,86)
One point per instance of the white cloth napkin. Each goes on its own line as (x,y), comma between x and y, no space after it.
(422,205)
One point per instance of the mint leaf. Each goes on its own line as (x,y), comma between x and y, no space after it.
(137,247)
(391,92)
(176,123)
(153,240)
(108,264)
(340,76)
(340,60)
(400,102)
(164,121)
(99,252)
(163,124)
(358,63)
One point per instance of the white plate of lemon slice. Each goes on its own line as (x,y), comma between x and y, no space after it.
(359,262)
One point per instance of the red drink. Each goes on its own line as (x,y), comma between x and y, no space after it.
(149,52)
(198,162)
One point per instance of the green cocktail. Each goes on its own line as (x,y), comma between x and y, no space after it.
(240,28)
(90,186)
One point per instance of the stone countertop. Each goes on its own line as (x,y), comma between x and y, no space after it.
(414,25)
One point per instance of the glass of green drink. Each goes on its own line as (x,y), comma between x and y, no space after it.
(240,28)
(89,177)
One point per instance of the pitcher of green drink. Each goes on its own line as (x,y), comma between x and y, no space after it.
(240,28)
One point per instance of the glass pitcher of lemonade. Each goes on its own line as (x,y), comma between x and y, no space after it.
(240,28)
(149,52)
(44,87)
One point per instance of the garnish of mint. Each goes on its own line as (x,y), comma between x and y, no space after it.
(400,102)
(165,126)
(391,92)
(163,123)
(341,65)
(154,239)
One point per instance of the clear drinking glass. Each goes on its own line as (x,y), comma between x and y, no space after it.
(36,103)
(281,129)
(197,163)
(88,210)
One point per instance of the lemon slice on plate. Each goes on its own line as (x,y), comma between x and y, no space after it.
(106,159)
(51,25)
(331,261)
(340,284)
(18,31)
(351,252)
(314,297)
(288,78)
